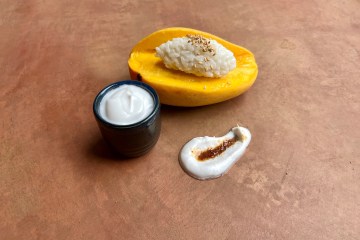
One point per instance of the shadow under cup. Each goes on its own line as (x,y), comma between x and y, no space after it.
(135,139)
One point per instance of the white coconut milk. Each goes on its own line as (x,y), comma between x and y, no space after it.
(126,105)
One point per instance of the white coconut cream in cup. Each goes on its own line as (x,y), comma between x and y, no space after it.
(128,115)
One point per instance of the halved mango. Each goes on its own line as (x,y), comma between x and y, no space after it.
(182,89)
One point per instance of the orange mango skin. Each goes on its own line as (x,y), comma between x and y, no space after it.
(177,88)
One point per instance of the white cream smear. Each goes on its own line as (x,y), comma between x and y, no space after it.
(126,105)
(211,157)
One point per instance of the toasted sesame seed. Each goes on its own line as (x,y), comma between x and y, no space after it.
(202,42)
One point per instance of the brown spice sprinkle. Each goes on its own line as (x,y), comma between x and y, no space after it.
(216,151)
(202,42)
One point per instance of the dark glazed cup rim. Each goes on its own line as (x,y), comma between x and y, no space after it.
(114,85)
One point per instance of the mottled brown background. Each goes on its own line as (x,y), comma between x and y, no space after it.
(300,178)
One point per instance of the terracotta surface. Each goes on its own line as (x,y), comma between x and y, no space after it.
(300,178)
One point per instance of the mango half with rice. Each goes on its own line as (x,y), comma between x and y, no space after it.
(179,88)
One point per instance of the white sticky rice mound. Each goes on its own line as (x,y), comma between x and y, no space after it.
(181,54)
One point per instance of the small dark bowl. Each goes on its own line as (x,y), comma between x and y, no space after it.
(135,139)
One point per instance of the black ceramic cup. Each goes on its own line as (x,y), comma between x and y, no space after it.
(135,139)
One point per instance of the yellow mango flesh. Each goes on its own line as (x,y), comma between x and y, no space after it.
(177,88)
